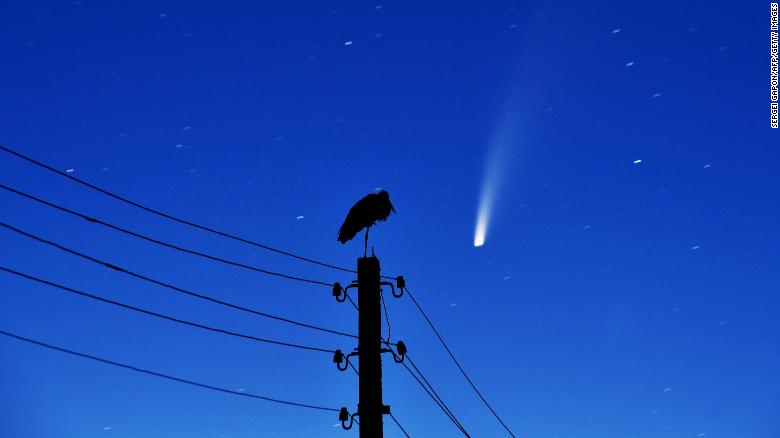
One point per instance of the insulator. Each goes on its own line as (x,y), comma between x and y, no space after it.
(400,283)
(401,347)
(336,289)
(338,356)
(343,415)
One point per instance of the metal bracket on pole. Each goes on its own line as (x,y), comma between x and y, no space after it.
(339,358)
(387,283)
(341,293)
(345,416)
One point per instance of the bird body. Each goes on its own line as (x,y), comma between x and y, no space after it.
(364,214)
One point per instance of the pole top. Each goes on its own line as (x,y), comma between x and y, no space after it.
(368,262)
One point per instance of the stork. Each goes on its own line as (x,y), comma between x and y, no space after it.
(364,214)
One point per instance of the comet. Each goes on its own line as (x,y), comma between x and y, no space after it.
(481,231)
(498,155)
(484,210)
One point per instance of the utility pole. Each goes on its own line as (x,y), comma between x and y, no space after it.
(370,407)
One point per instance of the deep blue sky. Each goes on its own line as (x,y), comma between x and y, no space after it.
(612,299)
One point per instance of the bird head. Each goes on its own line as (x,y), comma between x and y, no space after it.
(386,197)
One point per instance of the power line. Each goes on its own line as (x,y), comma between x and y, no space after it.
(351,302)
(159,242)
(175,218)
(214,258)
(170,216)
(422,312)
(164,376)
(397,423)
(432,392)
(167,285)
(387,317)
(353,368)
(160,315)
(439,404)
(444,405)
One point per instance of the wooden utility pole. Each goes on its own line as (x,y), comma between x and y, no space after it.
(370,407)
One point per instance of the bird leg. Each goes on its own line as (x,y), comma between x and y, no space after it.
(365,244)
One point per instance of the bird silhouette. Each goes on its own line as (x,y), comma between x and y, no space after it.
(364,214)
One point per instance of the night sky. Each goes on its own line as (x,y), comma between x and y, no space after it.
(619,155)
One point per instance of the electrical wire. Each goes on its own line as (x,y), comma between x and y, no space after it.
(159,242)
(351,302)
(387,317)
(167,285)
(436,332)
(164,376)
(160,315)
(441,406)
(170,216)
(397,423)
(223,234)
(353,368)
(433,390)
